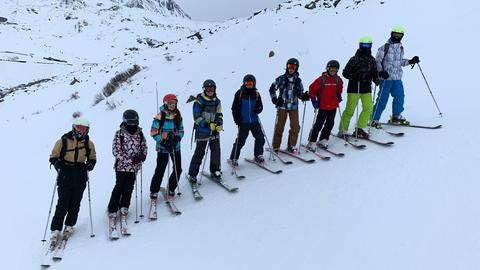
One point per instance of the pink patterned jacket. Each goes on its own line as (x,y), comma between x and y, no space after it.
(124,152)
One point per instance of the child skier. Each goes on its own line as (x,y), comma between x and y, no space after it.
(360,70)
(130,150)
(208,117)
(326,94)
(72,157)
(290,88)
(167,131)
(246,106)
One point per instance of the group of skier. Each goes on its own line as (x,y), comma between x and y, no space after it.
(74,154)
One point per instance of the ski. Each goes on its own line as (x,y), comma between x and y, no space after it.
(196,194)
(58,253)
(396,134)
(322,157)
(263,166)
(328,150)
(48,257)
(152,215)
(373,141)
(235,170)
(296,155)
(356,146)
(284,161)
(220,182)
(169,202)
(412,126)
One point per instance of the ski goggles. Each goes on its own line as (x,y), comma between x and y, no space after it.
(172,102)
(366,45)
(209,89)
(397,35)
(291,66)
(81,129)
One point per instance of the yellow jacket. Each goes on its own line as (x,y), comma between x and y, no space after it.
(75,150)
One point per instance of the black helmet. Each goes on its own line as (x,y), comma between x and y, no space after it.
(293,61)
(130,118)
(333,64)
(208,83)
(249,77)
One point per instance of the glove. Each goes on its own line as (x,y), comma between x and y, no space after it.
(280,102)
(414,60)
(339,96)
(383,74)
(138,159)
(305,96)
(315,103)
(167,144)
(219,128)
(91,165)
(274,100)
(57,163)
(257,109)
(213,126)
(376,81)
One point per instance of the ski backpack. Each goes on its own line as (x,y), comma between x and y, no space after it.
(63,150)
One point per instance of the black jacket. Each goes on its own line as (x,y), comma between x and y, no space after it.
(361,67)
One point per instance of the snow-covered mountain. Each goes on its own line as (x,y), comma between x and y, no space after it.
(412,206)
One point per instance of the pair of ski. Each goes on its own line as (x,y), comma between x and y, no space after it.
(348,139)
(323,148)
(409,125)
(168,201)
(219,181)
(55,252)
(277,152)
(252,161)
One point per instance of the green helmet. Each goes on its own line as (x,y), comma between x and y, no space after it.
(398,29)
(366,40)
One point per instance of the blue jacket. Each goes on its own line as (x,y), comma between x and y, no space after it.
(247,104)
(206,110)
(165,122)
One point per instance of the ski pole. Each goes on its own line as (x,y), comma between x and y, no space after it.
(175,170)
(136,200)
(301,130)
(235,150)
(356,123)
(156,89)
(380,91)
(205,158)
(430,90)
(50,209)
(340,114)
(264,135)
(141,190)
(271,156)
(313,125)
(90,209)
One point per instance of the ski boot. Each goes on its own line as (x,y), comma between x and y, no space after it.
(312,146)
(399,120)
(323,143)
(292,149)
(67,232)
(217,175)
(54,238)
(260,159)
(360,133)
(123,220)
(376,124)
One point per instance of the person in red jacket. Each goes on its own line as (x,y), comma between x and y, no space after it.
(325,94)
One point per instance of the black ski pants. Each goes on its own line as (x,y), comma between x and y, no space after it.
(71,182)
(325,119)
(122,191)
(243,131)
(197,158)
(162,162)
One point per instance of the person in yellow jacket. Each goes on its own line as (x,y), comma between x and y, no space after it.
(72,156)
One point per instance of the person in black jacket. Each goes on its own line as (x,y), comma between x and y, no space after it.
(360,70)
(246,106)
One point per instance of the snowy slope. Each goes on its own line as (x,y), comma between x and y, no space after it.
(412,206)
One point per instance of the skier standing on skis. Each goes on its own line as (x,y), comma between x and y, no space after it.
(72,157)
(360,70)
(389,63)
(290,88)
(130,150)
(167,131)
(326,95)
(208,117)
(247,104)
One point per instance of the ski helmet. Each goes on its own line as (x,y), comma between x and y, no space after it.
(293,61)
(130,118)
(398,29)
(333,64)
(365,42)
(249,77)
(80,127)
(209,83)
(169,97)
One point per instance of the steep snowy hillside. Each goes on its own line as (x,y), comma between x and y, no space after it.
(410,206)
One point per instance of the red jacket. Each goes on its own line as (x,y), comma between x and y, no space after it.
(329,95)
